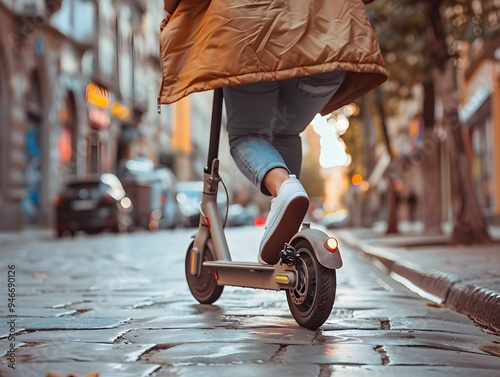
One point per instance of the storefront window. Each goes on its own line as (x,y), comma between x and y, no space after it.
(66,143)
(33,153)
(482,164)
(1,128)
(107,41)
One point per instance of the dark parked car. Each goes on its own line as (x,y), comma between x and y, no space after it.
(93,204)
(239,215)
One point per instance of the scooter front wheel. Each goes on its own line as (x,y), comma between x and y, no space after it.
(311,302)
(204,287)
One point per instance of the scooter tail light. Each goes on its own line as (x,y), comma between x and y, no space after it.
(331,244)
(216,275)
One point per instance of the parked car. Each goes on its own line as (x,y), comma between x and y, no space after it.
(152,191)
(189,197)
(92,204)
(337,219)
(239,215)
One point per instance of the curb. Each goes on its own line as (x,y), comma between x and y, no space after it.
(480,303)
(469,297)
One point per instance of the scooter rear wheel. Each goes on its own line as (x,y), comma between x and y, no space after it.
(311,302)
(204,287)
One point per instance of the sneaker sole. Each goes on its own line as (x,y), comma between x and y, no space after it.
(285,230)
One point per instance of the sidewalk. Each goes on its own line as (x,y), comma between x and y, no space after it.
(466,278)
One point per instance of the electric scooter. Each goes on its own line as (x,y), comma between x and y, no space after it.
(306,270)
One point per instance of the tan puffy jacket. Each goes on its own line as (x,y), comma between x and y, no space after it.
(207,44)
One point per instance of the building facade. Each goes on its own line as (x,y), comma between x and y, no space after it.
(480,114)
(78,87)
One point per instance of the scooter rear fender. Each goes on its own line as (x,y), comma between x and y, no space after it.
(317,239)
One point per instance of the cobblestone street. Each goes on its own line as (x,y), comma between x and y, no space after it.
(119,305)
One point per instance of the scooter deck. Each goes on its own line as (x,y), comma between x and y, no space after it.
(242,265)
(253,275)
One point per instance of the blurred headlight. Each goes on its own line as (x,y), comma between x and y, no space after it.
(126,202)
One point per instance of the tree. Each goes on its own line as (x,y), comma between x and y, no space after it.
(431,163)
(392,180)
(469,225)
(418,44)
(403,42)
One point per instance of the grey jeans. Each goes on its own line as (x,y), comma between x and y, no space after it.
(264,121)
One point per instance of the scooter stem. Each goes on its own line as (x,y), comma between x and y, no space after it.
(215,126)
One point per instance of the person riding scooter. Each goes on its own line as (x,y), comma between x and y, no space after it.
(280,63)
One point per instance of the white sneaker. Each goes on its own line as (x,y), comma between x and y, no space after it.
(287,213)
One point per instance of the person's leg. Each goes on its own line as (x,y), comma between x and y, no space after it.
(274,179)
(249,111)
(299,102)
(258,115)
(274,113)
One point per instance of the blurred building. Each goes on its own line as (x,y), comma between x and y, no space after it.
(480,114)
(78,87)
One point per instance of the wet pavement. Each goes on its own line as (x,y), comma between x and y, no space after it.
(119,305)
(464,277)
